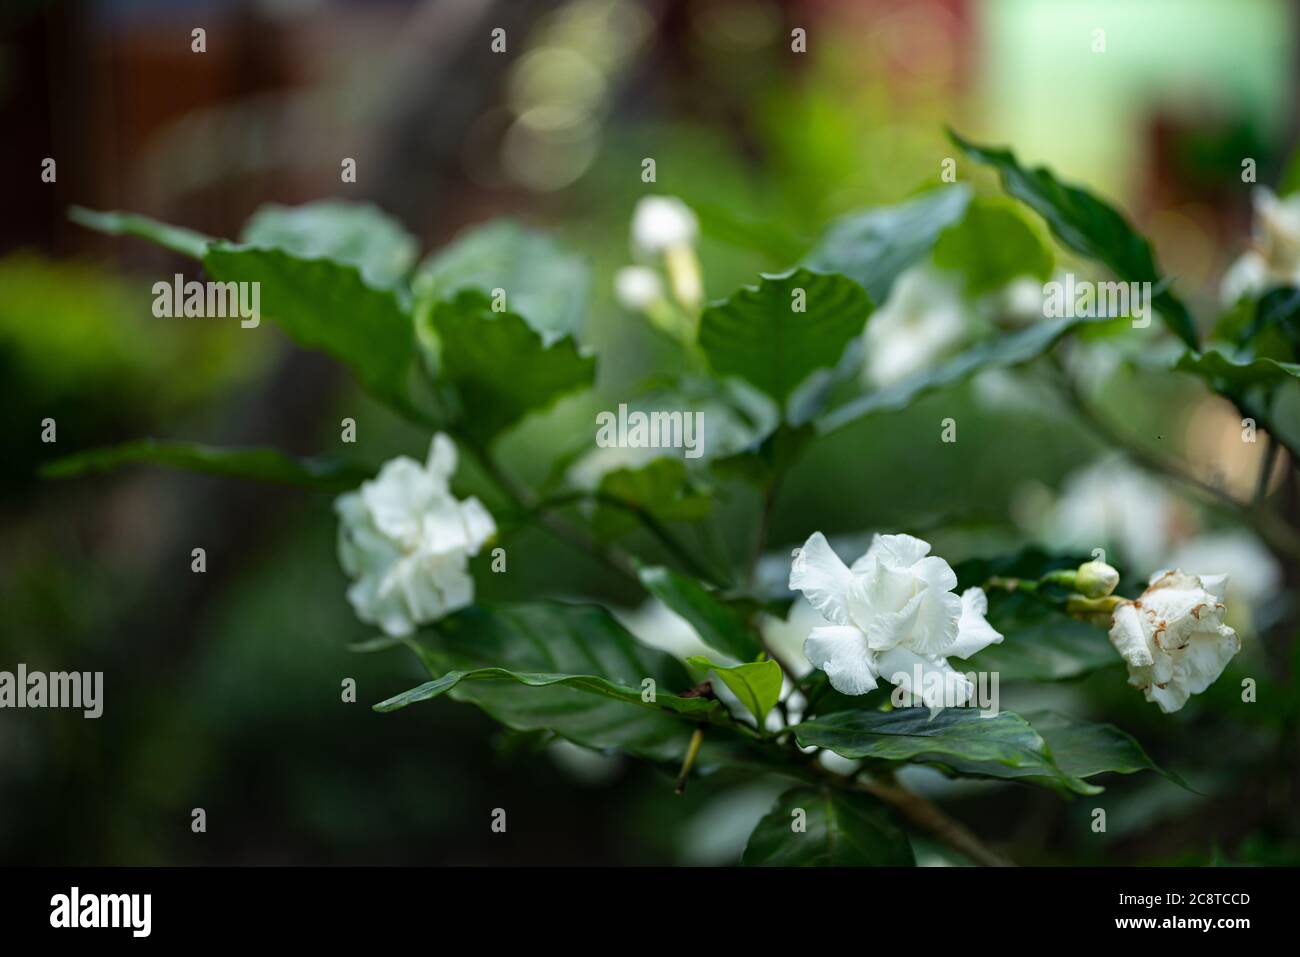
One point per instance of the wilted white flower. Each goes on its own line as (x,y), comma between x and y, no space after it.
(893,612)
(1173,637)
(660,223)
(638,288)
(1274,259)
(406,541)
(924,317)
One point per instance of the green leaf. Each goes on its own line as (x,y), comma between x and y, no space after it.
(758,336)
(326,305)
(757,684)
(500,367)
(841,829)
(992,245)
(661,487)
(187,242)
(873,246)
(719,625)
(544,283)
(358,234)
(1231,377)
(571,669)
(1088,226)
(1084,749)
(1040,643)
(264,465)
(957,740)
(1014,348)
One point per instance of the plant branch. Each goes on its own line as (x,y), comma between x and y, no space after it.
(930,817)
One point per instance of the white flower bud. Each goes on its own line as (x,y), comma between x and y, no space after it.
(660,223)
(638,288)
(1095,579)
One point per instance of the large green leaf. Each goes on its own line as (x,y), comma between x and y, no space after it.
(1084,749)
(328,306)
(1088,226)
(958,740)
(571,669)
(757,684)
(178,239)
(499,366)
(661,488)
(992,245)
(840,829)
(355,233)
(543,282)
(759,336)
(1011,349)
(873,246)
(719,625)
(264,465)
(1229,376)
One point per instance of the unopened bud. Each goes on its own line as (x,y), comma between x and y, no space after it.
(1095,579)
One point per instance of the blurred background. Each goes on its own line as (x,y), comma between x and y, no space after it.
(223,689)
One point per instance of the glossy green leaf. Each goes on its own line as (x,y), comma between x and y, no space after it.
(661,488)
(824,827)
(757,684)
(719,625)
(358,234)
(873,246)
(759,336)
(993,245)
(1040,643)
(957,740)
(178,239)
(1227,375)
(499,366)
(263,465)
(544,283)
(1089,226)
(1084,749)
(1011,349)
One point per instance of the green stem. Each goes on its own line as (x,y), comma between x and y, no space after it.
(692,752)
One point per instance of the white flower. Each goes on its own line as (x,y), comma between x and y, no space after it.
(924,317)
(892,612)
(1173,637)
(638,288)
(406,540)
(1274,259)
(661,223)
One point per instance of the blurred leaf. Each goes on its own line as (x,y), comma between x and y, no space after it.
(263,465)
(1088,226)
(993,245)
(661,488)
(1040,643)
(355,233)
(770,458)
(769,237)
(187,242)
(326,305)
(959,740)
(555,639)
(719,625)
(843,829)
(757,684)
(873,246)
(758,335)
(1011,349)
(500,367)
(1225,375)
(1084,749)
(544,284)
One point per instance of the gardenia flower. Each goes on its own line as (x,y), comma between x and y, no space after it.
(923,318)
(893,611)
(664,226)
(1274,259)
(637,288)
(407,541)
(1173,637)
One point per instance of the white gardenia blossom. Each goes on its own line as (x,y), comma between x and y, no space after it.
(1274,257)
(637,288)
(1173,637)
(661,223)
(406,540)
(924,317)
(890,613)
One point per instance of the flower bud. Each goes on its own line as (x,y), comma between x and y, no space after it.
(1095,579)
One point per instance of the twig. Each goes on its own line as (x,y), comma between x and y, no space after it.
(930,817)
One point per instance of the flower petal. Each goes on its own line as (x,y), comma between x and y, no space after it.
(818,572)
(941,686)
(974,633)
(841,651)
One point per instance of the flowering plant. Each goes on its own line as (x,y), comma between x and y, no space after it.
(838,679)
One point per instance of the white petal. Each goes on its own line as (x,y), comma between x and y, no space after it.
(818,572)
(841,651)
(941,686)
(1129,637)
(398,496)
(974,633)
(898,550)
(442,457)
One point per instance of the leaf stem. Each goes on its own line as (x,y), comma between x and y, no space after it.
(692,752)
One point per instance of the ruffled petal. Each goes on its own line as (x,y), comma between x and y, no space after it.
(974,633)
(841,651)
(930,679)
(824,580)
